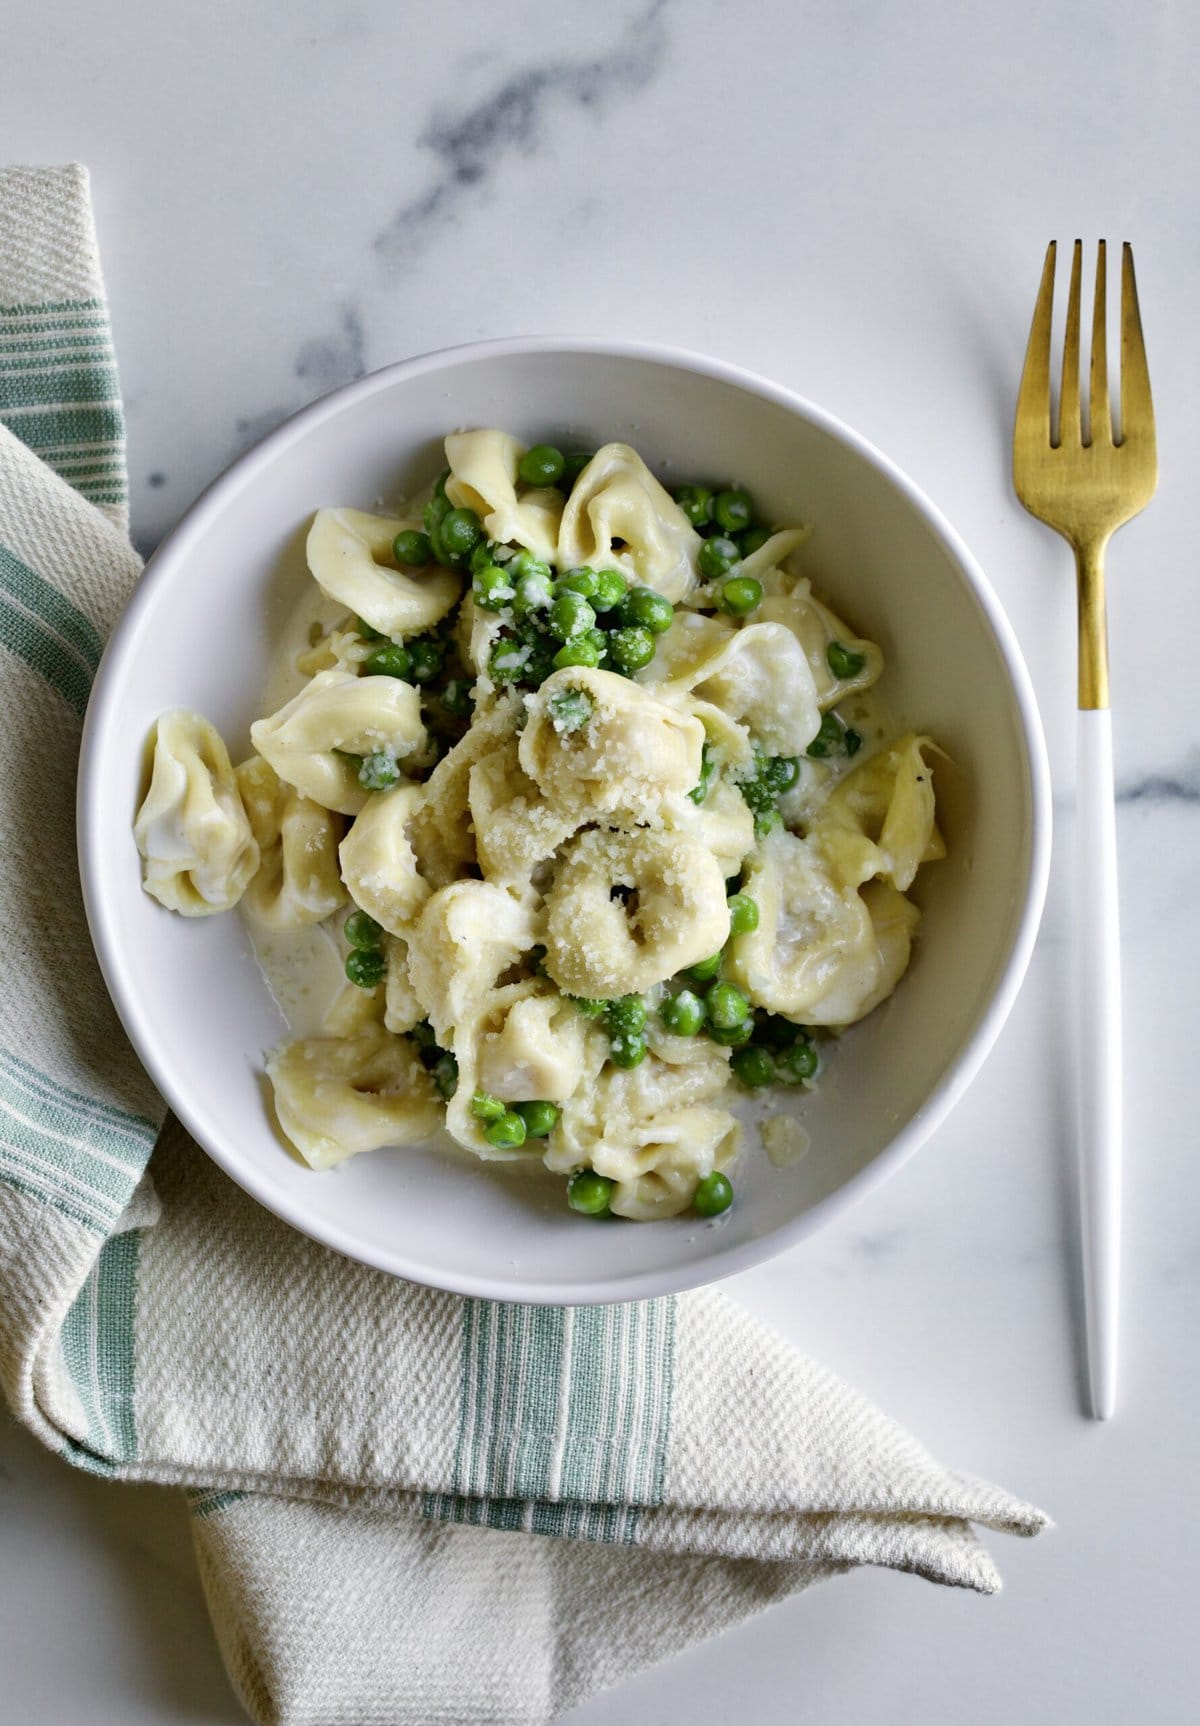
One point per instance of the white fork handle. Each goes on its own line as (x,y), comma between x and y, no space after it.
(1098,1010)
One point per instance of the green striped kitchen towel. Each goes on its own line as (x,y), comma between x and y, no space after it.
(373,1467)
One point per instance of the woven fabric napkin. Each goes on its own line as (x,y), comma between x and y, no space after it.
(408,1507)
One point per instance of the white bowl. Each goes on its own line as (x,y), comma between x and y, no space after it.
(198,634)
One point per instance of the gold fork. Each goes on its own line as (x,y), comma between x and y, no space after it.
(1084,488)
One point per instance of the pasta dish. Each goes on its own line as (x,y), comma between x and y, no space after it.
(593,795)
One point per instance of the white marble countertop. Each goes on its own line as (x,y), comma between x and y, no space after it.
(854,200)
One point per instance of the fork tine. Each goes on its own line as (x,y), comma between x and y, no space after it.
(1099,411)
(1137,408)
(1069,431)
(1033,397)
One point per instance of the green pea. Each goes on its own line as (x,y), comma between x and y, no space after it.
(743,914)
(491,589)
(740,595)
(696,503)
(580,650)
(570,614)
(461,531)
(732,510)
(435,513)
(426,655)
(713,1195)
(734,1036)
(485,1107)
(591,1009)
(507,1132)
(533,593)
(540,664)
(540,1118)
(541,465)
(753,539)
(843,661)
(851,741)
(366,966)
(574,463)
(610,590)
(643,607)
(445,1075)
(490,551)
(508,661)
(775,1031)
(828,738)
(389,661)
(439,484)
(630,649)
(412,549)
(795,1066)
(378,771)
(423,1035)
(753,1067)
(726,1006)
(457,698)
(718,556)
(627,1015)
(570,710)
(525,562)
(365,630)
(590,1193)
(362,930)
(579,580)
(699,791)
(779,772)
(682,1014)
(627,1051)
(706,970)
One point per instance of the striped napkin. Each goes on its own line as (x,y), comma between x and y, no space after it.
(408,1508)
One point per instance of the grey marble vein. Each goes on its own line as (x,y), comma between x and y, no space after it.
(1180,787)
(254,427)
(327,361)
(470,144)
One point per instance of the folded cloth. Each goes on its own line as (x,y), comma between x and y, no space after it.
(408,1507)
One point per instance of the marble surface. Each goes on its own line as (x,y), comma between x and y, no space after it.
(853,199)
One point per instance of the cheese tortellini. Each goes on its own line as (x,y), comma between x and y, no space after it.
(297,881)
(593,799)
(351,559)
(199,852)
(317,741)
(619,516)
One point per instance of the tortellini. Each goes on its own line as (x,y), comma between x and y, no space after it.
(199,853)
(379,865)
(515,829)
(314,740)
(654,1131)
(879,821)
(618,516)
(823,953)
(758,675)
(557,827)
(536,1052)
(628,910)
(350,556)
(790,602)
(630,751)
(297,882)
(466,937)
(338,1096)
(483,477)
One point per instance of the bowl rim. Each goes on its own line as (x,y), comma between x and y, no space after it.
(713,1265)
